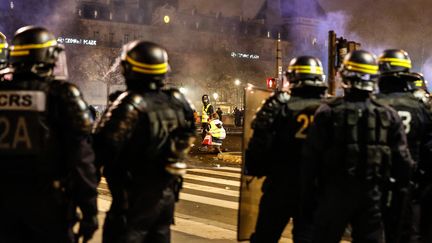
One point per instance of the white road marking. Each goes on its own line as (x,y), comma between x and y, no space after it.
(227,192)
(209,201)
(228,168)
(212,180)
(103,204)
(216,172)
(203,230)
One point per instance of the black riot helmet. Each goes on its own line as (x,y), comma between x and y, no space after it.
(305,71)
(34,49)
(144,64)
(394,61)
(205,99)
(3,51)
(418,81)
(359,70)
(414,81)
(419,87)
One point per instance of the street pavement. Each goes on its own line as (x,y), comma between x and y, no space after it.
(207,211)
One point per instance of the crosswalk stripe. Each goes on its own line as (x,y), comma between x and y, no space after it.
(209,201)
(213,180)
(215,172)
(103,204)
(211,189)
(236,169)
(205,231)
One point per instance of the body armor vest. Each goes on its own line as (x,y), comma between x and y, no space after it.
(413,115)
(361,132)
(28,145)
(158,128)
(34,117)
(280,128)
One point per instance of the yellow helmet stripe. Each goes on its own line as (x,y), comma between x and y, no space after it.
(396,62)
(363,70)
(19,53)
(150,71)
(306,69)
(145,65)
(401,64)
(362,66)
(418,83)
(3,45)
(392,59)
(34,46)
(309,72)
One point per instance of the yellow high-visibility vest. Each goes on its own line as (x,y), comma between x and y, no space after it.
(204,115)
(216,131)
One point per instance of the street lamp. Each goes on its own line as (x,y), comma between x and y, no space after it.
(167,19)
(215,96)
(237,82)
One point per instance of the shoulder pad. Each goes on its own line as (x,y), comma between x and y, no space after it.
(114,95)
(181,98)
(276,100)
(378,102)
(76,109)
(267,113)
(281,96)
(131,98)
(334,101)
(65,89)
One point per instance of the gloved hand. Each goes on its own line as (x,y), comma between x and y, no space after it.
(88,226)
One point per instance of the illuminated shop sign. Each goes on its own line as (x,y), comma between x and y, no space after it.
(76,41)
(244,55)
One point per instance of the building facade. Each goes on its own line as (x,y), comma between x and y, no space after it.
(209,47)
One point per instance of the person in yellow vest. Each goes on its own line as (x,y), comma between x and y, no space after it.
(207,110)
(217,131)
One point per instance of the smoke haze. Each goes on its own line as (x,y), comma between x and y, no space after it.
(384,24)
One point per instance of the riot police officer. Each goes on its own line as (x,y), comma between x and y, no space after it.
(280,127)
(207,111)
(347,156)
(397,86)
(420,89)
(3,51)
(3,56)
(46,164)
(141,141)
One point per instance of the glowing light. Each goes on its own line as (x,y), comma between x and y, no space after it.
(166,19)
(237,82)
(215,96)
(183,90)
(249,87)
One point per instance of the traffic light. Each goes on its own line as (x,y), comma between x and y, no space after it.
(337,49)
(271,83)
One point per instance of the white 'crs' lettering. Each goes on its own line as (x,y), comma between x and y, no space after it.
(15,100)
(22,100)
